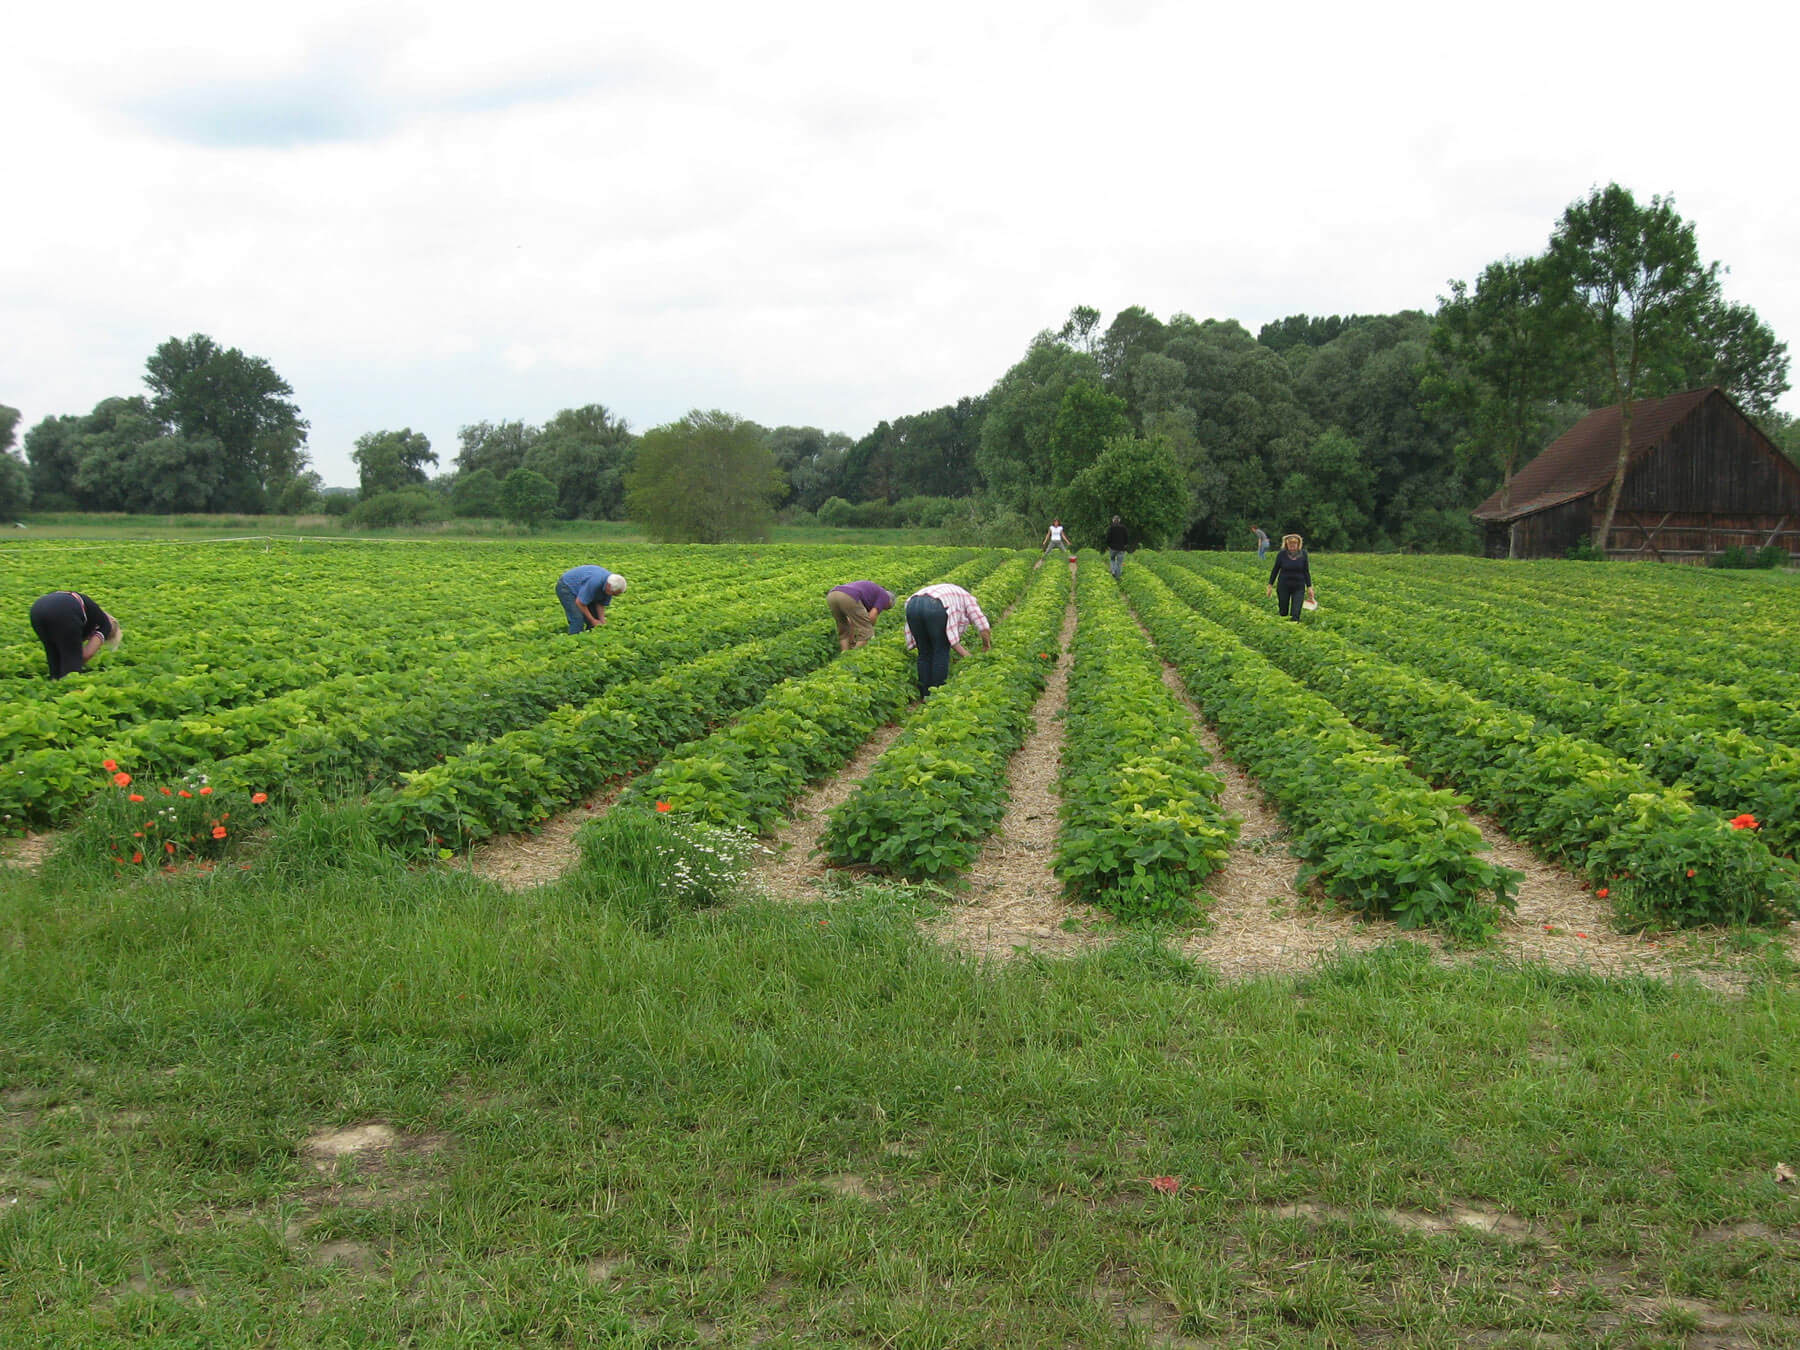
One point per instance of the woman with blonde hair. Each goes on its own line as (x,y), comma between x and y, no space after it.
(1290,579)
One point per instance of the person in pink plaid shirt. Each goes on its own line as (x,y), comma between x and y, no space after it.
(936,619)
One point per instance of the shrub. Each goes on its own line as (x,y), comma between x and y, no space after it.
(414,506)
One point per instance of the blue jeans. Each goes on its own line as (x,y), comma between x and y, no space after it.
(929,623)
(577,620)
(1116,560)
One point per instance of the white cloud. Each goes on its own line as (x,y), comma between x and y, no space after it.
(427,214)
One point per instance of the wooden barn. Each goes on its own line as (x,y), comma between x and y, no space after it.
(1701,478)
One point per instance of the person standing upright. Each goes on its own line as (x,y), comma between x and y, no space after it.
(585,593)
(936,619)
(1055,537)
(1116,543)
(1290,579)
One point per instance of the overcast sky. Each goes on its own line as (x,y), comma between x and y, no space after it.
(430,214)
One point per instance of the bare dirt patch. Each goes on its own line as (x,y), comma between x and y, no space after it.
(1014,901)
(29,851)
(520,861)
(793,866)
(1260,922)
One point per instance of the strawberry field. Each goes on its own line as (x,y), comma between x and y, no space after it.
(283,1061)
(1636,725)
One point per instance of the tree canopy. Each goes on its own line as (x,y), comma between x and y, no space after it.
(705,479)
(387,461)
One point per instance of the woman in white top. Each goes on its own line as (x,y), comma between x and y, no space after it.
(1054,537)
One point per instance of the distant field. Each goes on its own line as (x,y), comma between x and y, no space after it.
(78,525)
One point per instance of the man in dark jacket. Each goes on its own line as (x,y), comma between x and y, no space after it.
(1116,542)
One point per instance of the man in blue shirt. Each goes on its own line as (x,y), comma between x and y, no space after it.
(585,593)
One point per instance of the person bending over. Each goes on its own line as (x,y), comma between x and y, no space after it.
(585,593)
(72,628)
(936,619)
(855,606)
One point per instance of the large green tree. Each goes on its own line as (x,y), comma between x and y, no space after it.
(1086,419)
(387,461)
(205,394)
(1014,454)
(497,446)
(15,478)
(1501,353)
(1137,479)
(527,498)
(705,479)
(586,453)
(1630,279)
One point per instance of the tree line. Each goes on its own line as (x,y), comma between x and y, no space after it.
(1359,431)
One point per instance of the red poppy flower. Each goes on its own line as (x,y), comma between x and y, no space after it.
(218,832)
(184,793)
(1602,892)
(258,798)
(168,848)
(122,779)
(109,764)
(137,797)
(664,806)
(137,857)
(165,792)
(206,792)
(1690,871)
(1744,822)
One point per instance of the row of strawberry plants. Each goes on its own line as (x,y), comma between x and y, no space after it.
(1731,678)
(356,729)
(1141,824)
(939,790)
(514,781)
(353,729)
(1726,767)
(246,659)
(1374,837)
(1658,856)
(1699,626)
(745,774)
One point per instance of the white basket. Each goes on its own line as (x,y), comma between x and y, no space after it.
(1309,603)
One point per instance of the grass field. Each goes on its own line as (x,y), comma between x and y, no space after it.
(318,1089)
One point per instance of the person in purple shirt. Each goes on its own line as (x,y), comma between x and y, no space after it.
(854,606)
(585,593)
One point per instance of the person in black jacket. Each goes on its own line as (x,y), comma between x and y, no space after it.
(1116,543)
(72,628)
(1290,579)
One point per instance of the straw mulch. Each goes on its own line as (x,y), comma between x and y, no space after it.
(519,861)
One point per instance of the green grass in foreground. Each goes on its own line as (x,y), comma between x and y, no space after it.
(779,1125)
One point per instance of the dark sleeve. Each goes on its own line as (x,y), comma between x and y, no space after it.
(93,618)
(1275,571)
(1305,569)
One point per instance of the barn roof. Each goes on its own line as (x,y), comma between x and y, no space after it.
(1582,459)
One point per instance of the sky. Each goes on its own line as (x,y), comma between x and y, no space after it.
(427,215)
